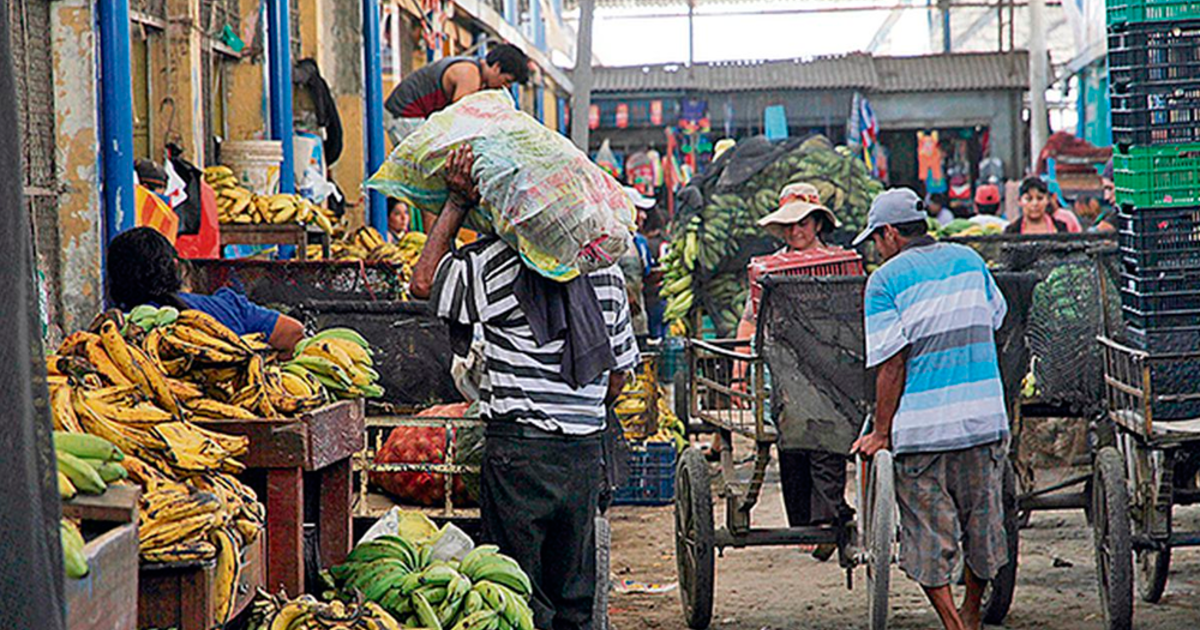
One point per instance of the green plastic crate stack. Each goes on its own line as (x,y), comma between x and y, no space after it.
(1131,11)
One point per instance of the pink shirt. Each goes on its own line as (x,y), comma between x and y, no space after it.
(1068,218)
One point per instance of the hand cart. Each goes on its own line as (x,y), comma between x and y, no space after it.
(1154,408)
(728,396)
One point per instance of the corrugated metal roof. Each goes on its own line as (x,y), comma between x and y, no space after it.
(855,71)
(954,72)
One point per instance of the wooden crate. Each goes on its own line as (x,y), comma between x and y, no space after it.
(180,594)
(107,598)
(321,443)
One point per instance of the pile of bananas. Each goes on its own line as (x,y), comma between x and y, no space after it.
(336,359)
(86,464)
(275,612)
(486,590)
(367,245)
(642,407)
(236,204)
(712,243)
(130,390)
(74,560)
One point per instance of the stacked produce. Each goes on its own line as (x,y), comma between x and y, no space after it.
(236,204)
(367,245)
(138,391)
(486,590)
(276,612)
(966,227)
(86,463)
(424,447)
(336,359)
(715,233)
(642,406)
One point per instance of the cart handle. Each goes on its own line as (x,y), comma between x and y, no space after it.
(721,348)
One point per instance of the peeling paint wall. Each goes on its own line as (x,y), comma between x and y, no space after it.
(340,55)
(76,127)
(183,83)
(245,99)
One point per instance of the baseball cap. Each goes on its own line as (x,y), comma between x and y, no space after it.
(987,195)
(891,207)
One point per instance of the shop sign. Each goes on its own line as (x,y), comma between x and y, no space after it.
(622,115)
(594,117)
(656,112)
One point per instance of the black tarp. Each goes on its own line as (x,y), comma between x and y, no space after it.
(811,336)
(31,575)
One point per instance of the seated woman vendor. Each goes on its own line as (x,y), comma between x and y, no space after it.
(143,268)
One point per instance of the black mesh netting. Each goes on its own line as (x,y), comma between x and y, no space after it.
(289,282)
(1064,319)
(412,347)
(811,335)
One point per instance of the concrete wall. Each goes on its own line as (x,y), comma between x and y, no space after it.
(1000,111)
(80,291)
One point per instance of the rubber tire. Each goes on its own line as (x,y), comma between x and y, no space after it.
(1153,567)
(603,573)
(881,536)
(694,523)
(1110,536)
(998,596)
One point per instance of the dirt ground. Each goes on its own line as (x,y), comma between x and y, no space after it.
(769,588)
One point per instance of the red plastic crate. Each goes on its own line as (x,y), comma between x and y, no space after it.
(820,261)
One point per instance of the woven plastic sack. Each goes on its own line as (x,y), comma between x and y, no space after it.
(540,194)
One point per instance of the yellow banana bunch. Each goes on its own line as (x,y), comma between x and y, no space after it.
(238,205)
(340,360)
(276,612)
(366,244)
(232,199)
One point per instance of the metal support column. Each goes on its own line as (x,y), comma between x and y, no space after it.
(377,206)
(116,117)
(279,53)
(581,101)
(1039,124)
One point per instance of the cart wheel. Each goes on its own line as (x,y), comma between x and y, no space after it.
(683,399)
(998,596)
(1153,566)
(881,535)
(1110,533)
(694,538)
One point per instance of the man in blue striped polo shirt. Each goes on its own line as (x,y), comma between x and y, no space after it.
(931,313)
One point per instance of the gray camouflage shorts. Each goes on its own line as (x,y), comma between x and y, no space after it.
(947,498)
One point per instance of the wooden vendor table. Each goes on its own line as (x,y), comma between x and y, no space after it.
(180,594)
(271,234)
(107,597)
(321,442)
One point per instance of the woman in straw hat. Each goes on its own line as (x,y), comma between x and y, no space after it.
(814,482)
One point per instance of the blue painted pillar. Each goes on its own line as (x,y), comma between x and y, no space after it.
(373,93)
(516,94)
(539,25)
(279,71)
(116,117)
(563,124)
(510,12)
(538,109)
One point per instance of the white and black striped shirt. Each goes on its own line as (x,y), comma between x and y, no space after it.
(522,381)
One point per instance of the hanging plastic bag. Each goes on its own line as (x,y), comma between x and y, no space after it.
(540,194)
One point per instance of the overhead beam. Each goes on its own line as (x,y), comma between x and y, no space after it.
(885,29)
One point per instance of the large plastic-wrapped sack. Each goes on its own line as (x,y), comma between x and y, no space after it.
(540,194)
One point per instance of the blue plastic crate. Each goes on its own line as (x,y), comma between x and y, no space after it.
(651,475)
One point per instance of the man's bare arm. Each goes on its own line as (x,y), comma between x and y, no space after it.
(889,387)
(463,197)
